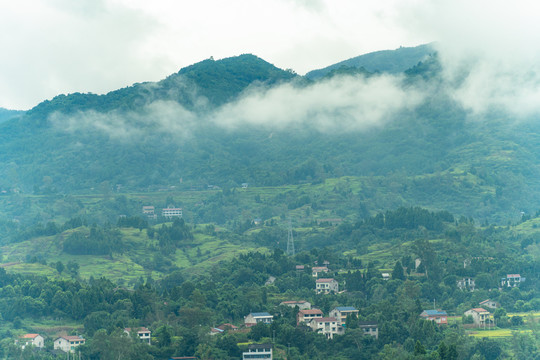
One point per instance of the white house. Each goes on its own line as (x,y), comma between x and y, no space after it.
(35,340)
(259,317)
(328,326)
(142,333)
(316,270)
(171,212)
(512,280)
(325,286)
(258,351)
(302,304)
(481,317)
(68,343)
(490,304)
(341,313)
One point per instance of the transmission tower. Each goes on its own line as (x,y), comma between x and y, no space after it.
(290,241)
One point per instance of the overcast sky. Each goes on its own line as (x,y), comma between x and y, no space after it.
(51,47)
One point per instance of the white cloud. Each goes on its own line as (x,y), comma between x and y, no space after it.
(339,104)
(490,49)
(336,105)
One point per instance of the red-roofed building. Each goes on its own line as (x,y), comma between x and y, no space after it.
(30,340)
(325,286)
(305,316)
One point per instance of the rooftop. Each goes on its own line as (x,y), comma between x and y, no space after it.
(324,280)
(435,312)
(259,314)
(345,308)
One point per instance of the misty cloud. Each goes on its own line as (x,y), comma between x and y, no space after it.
(490,51)
(156,117)
(336,105)
(339,104)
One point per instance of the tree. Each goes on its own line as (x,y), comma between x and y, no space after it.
(397,273)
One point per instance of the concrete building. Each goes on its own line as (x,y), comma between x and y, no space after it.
(258,351)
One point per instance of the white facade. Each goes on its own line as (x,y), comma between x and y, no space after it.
(68,343)
(325,286)
(171,212)
(258,351)
(327,326)
(255,318)
(142,333)
(35,340)
(302,304)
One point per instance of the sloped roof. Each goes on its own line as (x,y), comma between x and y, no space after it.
(434,313)
(479,310)
(345,308)
(324,280)
(311,311)
(29,336)
(260,314)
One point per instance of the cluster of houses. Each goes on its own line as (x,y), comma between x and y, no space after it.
(70,343)
(334,324)
(480,316)
(511,280)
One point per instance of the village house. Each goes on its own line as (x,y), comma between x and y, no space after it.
(341,313)
(370,328)
(258,351)
(142,333)
(490,304)
(316,270)
(35,340)
(440,317)
(68,343)
(385,276)
(512,280)
(300,267)
(302,304)
(171,212)
(466,284)
(481,317)
(258,317)
(328,326)
(148,210)
(326,286)
(305,316)
(221,329)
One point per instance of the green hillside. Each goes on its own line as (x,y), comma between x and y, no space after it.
(390,61)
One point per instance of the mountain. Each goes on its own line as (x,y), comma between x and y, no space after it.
(6,114)
(390,61)
(165,135)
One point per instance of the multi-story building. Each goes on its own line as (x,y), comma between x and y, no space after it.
(68,343)
(258,317)
(326,286)
(171,212)
(258,351)
(341,313)
(328,326)
(142,333)
(305,316)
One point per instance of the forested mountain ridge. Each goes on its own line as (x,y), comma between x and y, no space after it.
(187,131)
(392,61)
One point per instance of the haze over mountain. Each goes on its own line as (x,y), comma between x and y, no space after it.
(241,120)
(391,61)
